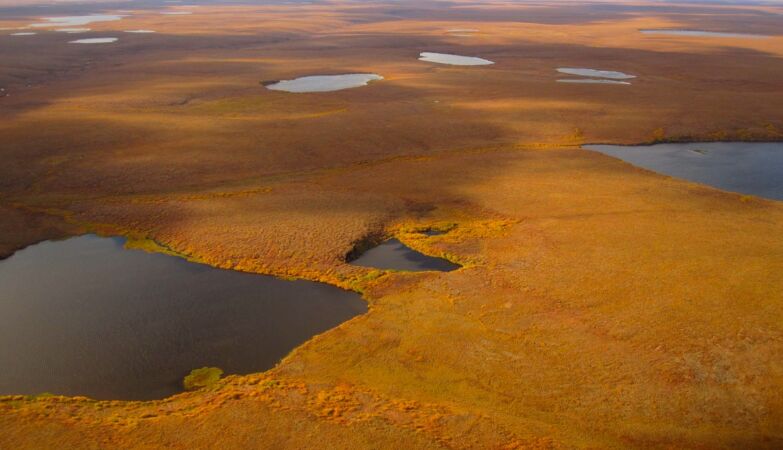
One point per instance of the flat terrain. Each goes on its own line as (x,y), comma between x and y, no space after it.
(599,306)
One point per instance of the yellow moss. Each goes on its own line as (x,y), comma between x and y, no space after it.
(203,377)
(148,245)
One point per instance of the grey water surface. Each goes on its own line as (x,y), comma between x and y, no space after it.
(324,83)
(754,168)
(394,255)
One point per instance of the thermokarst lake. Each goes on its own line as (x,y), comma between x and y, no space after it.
(611,74)
(594,76)
(101,40)
(454,60)
(324,83)
(748,168)
(85,316)
(76,21)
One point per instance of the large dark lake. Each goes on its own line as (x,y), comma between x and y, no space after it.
(85,316)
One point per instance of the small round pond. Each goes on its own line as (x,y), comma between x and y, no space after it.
(85,316)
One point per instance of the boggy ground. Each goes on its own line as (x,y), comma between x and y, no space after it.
(599,305)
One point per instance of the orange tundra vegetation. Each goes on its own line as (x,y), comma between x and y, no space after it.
(599,306)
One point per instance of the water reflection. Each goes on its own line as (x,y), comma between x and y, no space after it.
(85,316)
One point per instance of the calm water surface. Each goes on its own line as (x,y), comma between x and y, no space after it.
(454,60)
(611,74)
(748,168)
(101,40)
(324,83)
(76,21)
(395,255)
(85,316)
